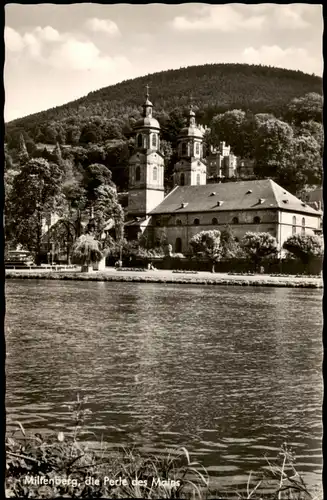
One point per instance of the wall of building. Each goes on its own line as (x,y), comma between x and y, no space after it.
(147,192)
(288,228)
(183,226)
(277,223)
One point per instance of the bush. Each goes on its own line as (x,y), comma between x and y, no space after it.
(304,247)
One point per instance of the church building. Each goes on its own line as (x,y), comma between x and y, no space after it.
(193,205)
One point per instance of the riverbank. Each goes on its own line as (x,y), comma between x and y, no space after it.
(60,465)
(170,277)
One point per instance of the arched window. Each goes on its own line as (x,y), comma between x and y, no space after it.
(294,225)
(198,179)
(178,222)
(139,141)
(196,222)
(154,141)
(182,179)
(303,226)
(155,174)
(235,220)
(256,220)
(137,173)
(197,148)
(178,245)
(215,221)
(184,148)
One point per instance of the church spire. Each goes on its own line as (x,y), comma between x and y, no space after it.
(191,113)
(147,106)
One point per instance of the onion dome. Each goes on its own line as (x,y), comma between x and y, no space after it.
(147,120)
(192,130)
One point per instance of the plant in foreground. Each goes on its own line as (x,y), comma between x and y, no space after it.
(62,465)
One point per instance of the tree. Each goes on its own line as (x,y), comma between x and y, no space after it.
(228,127)
(273,145)
(35,194)
(63,234)
(305,108)
(207,243)
(23,155)
(230,247)
(57,156)
(304,247)
(107,211)
(312,129)
(86,251)
(257,246)
(96,175)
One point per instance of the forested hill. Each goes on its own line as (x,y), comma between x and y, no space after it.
(214,87)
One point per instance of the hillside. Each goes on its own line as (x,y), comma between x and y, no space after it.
(214,87)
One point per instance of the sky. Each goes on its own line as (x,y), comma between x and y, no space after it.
(57,53)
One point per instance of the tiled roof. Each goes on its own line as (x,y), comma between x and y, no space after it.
(243,195)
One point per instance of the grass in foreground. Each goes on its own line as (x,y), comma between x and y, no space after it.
(62,466)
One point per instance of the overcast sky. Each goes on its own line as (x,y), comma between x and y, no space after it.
(57,53)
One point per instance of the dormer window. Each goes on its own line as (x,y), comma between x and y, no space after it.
(213,193)
(285,201)
(184,204)
(249,191)
(261,200)
(219,203)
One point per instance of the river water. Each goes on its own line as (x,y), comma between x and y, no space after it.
(228,372)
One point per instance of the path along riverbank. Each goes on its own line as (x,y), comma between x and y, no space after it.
(159,276)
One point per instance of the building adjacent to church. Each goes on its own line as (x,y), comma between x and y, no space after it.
(193,205)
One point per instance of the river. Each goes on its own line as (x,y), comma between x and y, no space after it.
(228,372)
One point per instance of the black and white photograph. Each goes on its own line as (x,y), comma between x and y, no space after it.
(163,250)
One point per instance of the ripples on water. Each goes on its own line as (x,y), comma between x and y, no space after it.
(228,372)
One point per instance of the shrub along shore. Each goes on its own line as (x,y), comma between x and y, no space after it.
(201,278)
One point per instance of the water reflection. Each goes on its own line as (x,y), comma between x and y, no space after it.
(228,372)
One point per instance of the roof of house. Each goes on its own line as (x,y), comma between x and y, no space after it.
(243,195)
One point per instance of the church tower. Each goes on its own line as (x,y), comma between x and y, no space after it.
(190,170)
(146,165)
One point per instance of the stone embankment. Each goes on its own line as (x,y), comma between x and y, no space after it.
(158,276)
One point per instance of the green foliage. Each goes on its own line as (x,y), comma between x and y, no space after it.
(208,244)
(65,456)
(228,127)
(86,250)
(230,247)
(304,247)
(35,193)
(257,246)
(106,209)
(22,154)
(96,175)
(306,108)
(273,144)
